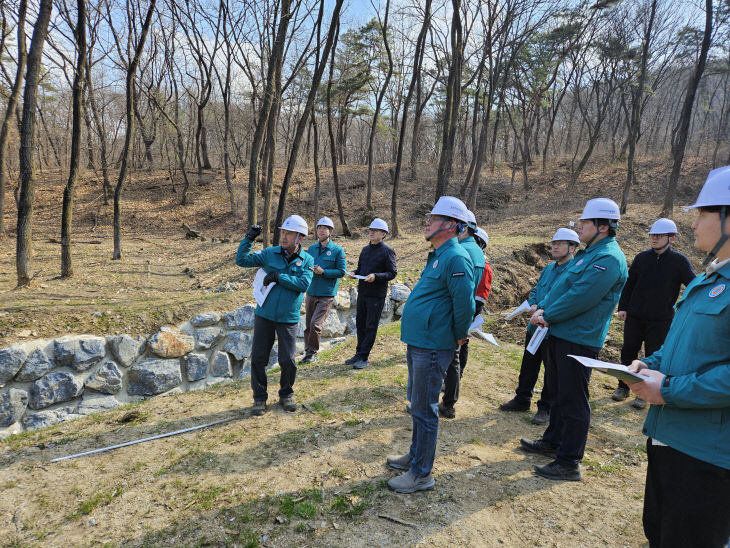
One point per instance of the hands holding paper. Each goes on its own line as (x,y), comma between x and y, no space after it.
(537,319)
(650,389)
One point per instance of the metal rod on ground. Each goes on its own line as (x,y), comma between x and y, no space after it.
(125,444)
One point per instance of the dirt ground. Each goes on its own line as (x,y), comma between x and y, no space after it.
(317,477)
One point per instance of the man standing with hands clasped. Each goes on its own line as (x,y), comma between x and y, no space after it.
(435,321)
(377,264)
(291,268)
(687,496)
(329,267)
(647,301)
(577,311)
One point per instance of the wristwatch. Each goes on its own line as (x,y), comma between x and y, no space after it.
(665,382)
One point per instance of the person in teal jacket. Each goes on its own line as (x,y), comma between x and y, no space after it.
(452,383)
(687,494)
(435,320)
(577,311)
(329,267)
(564,244)
(290,268)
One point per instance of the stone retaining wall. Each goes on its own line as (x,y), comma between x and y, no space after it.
(44,382)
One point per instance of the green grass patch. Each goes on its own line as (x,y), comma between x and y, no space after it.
(101,498)
(204,498)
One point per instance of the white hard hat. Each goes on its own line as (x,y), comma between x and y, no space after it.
(567,235)
(296,224)
(379,224)
(715,191)
(663,226)
(450,206)
(482,235)
(601,208)
(326,221)
(471,219)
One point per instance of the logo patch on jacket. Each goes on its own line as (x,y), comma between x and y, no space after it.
(717,290)
(599,267)
(329,253)
(458,274)
(435,263)
(579,263)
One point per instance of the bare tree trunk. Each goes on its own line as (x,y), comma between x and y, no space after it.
(101,135)
(321,63)
(11,107)
(636,109)
(378,102)
(24,243)
(417,60)
(453,98)
(333,146)
(258,137)
(679,137)
(78,92)
(129,130)
(315,151)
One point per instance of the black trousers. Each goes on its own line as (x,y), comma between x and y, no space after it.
(570,415)
(367,319)
(529,372)
(686,501)
(650,333)
(264,333)
(452,381)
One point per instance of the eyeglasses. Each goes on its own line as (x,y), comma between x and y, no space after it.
(433,218)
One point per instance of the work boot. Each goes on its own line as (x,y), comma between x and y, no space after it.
(258,408)
(354,359)
(308,358)
(362,364)
(399,463)
(515,405)
(538,446)
(446,412)
(410,483)
(621,393)
(556,471)
(638,403)
(287,402)
(541,417)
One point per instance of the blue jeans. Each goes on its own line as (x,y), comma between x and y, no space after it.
(426,370)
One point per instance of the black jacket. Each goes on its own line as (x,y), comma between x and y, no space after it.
(380,260)
(653,284)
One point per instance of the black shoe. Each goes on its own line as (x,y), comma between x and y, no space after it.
(556,471)
(538,446)
(287,402)
(541,417)
(309,358)
(258,409)
(354,359)
(447,412)
(515,405)
(621,393)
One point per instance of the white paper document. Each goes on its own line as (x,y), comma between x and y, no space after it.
(614,369)
(261,291)
(356,276)
(537,337)
(524,307)
(475,330)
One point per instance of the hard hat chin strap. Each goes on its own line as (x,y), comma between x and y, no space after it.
(441,228)
(723,238)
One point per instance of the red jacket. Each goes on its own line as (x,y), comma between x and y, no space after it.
(485,284)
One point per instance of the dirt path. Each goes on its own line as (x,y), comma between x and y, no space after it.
(317,477)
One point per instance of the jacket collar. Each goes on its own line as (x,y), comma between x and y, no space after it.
(599,244)
(446,245)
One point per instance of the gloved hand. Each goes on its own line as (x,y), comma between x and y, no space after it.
(271,277)
(253,232)
(478,306)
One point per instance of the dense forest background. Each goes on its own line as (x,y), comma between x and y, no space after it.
(253,90)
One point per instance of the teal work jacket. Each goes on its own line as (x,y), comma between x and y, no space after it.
(440,308)
(332,260)
(696,417)
(547,278)
(285,299)
(580,303)
(476,255)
